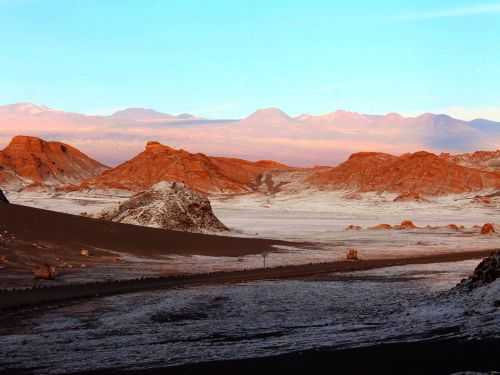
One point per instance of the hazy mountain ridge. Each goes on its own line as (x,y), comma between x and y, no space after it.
(148,115)
(270,133)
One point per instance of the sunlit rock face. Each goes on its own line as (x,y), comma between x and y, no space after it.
(33,161)
(483,160)
(198,171)
(419,173)
(167,205)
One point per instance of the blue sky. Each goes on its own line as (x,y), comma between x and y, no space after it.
(226,58)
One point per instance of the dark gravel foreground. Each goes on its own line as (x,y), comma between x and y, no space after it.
(419,358)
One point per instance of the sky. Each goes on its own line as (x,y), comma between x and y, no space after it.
(226,58)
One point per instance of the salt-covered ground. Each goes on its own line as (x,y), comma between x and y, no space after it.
(314,216)
(323,217)
(75,203)
(163,328)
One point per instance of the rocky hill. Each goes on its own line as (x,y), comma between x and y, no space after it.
(485,273)
(198,171)
(421,172)
(482,160)
(167,205)
(33,161)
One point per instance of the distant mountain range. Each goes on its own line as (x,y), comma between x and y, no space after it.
(148,115)
(304,140)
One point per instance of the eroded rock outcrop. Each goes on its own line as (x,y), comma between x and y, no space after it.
(485,273)
(406,224)
(482,160)
(167,205)
(487,229)
(198,171)
(32,161)
(421,173)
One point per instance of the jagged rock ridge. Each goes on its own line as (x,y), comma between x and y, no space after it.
(198,171)
(482,160)
(485,273)
(418,173)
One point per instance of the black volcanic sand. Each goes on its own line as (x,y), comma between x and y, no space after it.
(437,357)
(32,224)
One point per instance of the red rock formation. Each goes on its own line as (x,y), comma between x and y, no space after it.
(352,254)
(407,224)
(488,229)
(30,160)
(198,171)
(421,173)
(482,160)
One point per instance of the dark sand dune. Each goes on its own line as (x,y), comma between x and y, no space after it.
(31,224)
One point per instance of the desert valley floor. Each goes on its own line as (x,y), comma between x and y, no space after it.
(320,218)
(409,303)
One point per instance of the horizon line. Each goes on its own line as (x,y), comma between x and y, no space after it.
(414,115)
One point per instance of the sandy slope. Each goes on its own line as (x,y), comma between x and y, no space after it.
(37,236)
(41,225)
